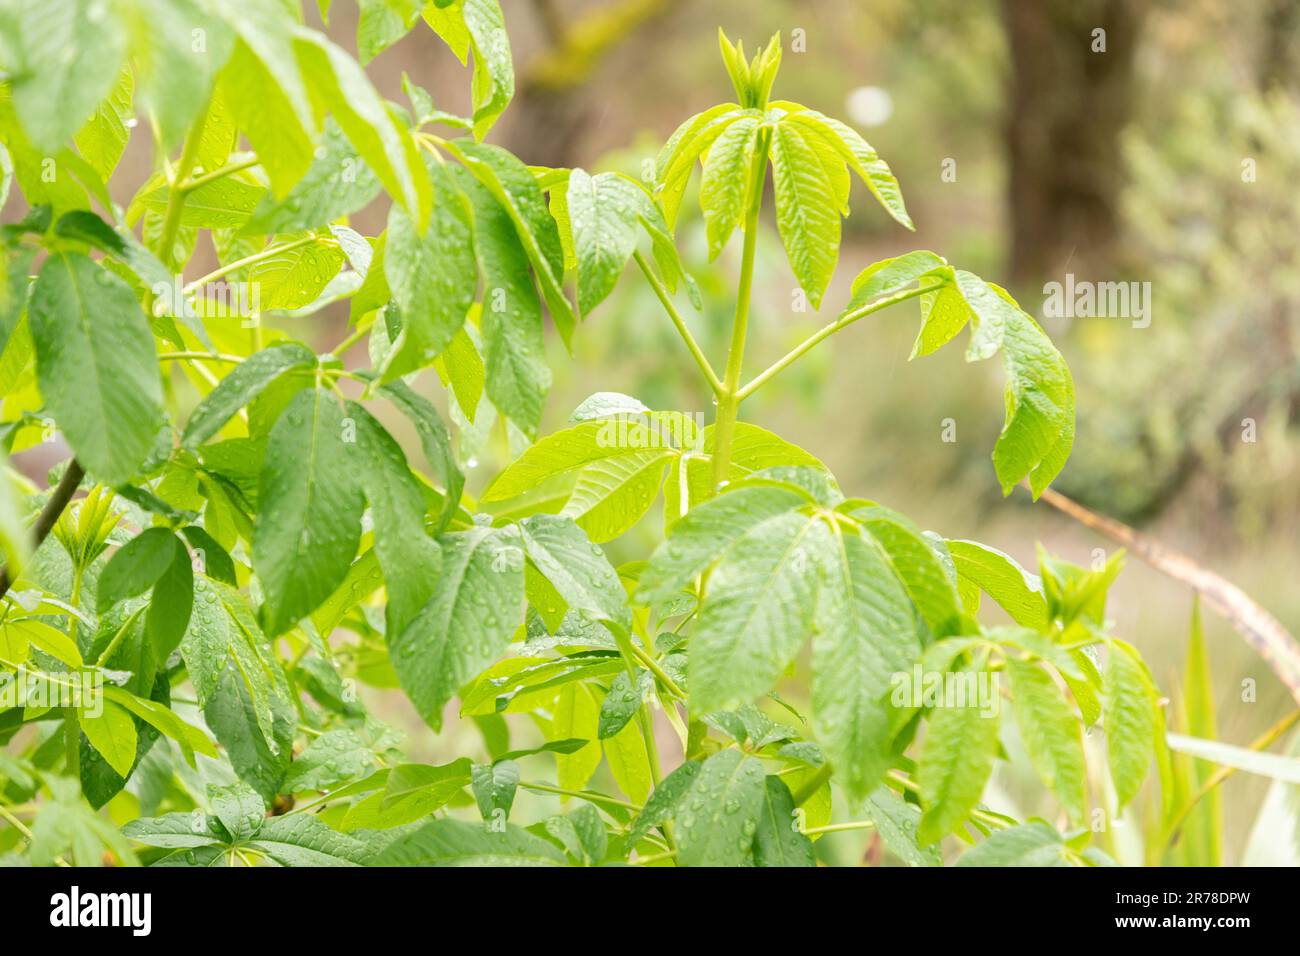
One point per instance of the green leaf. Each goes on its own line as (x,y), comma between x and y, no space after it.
(310,522)
(1131,719)
(582,834)
(297,274)
(305,840)
(433,276)
(806,211)
(778,841)
(334,757)
(719,817)
(436,444)
(236,717)
(1051,734)
(466,624)
(613,494)
(239,809)
(677,158)
(173,82)
(665,801)
(478,25)
(246,381)
(725,181)
(460,843)
(620,705)
(44,637)
(576,568)
(1016,591)
(338,84)
(171,603)
(576,716)
(866,634)
(897,821)
(69,53)
(757,611)
(1029,844)
(629,762)
(603,212)
(957,755)
(410,559)
(1273,766)
(516,189)
(102,140)
(517,376)
(706,533)
(135,567)
(494,788)
(919,567)
(382,23)
(263,89)
(1203,831)
(1039,430)
(862,159)
(111,732)
(337,183)
(97,365)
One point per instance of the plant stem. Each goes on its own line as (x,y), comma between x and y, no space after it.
(653,667)
(666,300)
(59,499)
(216,174)
(597,798)
(825,332)
(729,398)
(176,195)
(838,827)
(356,336)
(205,356)
(247,261)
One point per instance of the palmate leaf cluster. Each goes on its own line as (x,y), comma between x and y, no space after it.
(253,542)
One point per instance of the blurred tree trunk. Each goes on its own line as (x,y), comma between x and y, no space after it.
(1068,103)
(548,112)
(1279,62)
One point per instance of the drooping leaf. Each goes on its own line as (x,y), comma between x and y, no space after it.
(97,365)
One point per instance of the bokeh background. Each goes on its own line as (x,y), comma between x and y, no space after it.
(1171,156)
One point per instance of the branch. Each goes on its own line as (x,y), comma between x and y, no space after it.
(826,331)
(696,352)
(45,521)
(1261,630)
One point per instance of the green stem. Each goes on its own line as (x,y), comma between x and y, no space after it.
(216,174)
(177,194)
(838,827)
(666,300)
(360,333)
(660,674)
(597,798)
(255,258)
(827,331)
(107,654)
(724,429)
(206,356)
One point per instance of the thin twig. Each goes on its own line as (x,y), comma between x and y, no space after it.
(45,521)
(1261,630)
